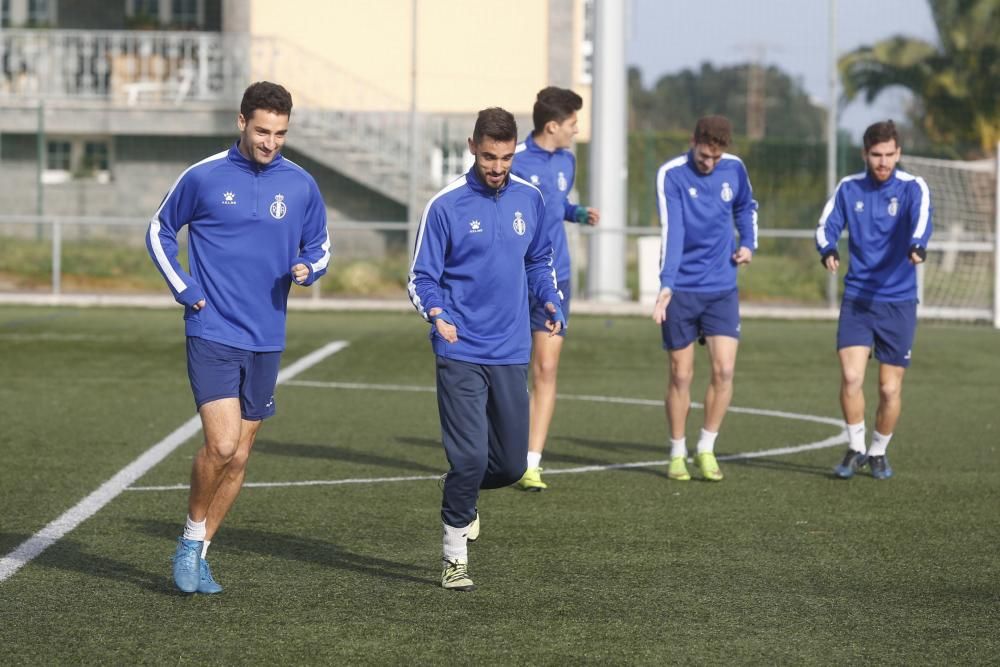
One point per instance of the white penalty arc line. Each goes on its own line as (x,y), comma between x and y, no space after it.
(83,510)
(832,441)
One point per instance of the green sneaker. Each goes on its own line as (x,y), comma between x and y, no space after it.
(455,576)
(532,480)
(472,532)
(709,466)
(678,469)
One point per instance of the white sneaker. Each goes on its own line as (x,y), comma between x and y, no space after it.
(455,576)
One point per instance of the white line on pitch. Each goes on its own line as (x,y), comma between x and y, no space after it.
(83,510)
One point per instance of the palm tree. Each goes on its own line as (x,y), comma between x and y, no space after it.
(956,83)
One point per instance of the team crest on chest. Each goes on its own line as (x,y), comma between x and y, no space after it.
(893,207)
(727,192)
(520,226)
(278,208)
(535,180)
(561,182)
(693,192)
(859,206)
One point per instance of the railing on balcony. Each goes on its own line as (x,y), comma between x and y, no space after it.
(344,122)
(127,67)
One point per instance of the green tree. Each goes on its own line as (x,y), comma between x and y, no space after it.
(956,83)
(677,100)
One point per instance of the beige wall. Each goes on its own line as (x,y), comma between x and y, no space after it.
(471,54)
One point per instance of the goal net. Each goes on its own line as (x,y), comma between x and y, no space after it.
(959,279)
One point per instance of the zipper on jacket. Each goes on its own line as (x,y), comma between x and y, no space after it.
(256,189)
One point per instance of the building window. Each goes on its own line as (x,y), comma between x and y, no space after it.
(4,13)
(81,159)
(30,13)
(174,14)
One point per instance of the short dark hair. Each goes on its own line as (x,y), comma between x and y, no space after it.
(267,96)
(880,132)
(713,130)
(496,123)
(556,104)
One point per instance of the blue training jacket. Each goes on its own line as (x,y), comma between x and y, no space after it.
(883,221)
(552,172)
(477,252)
(697,213)
(247,226)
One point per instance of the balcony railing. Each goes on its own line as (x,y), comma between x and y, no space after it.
(128,67)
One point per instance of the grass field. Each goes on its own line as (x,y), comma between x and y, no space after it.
(779,563)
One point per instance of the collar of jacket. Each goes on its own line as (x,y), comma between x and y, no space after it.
(236,157)
(477,185)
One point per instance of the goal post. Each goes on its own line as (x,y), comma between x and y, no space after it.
(960,279)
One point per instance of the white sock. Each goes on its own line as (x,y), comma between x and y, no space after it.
(204,548)
(879,444)
(194,530)
(856,437)
(706,441)
(678,447)
(534,459)
(455,544)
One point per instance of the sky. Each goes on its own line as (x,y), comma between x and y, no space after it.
(662,38)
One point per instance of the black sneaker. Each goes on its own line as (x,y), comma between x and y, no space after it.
(879,466)
(852,461)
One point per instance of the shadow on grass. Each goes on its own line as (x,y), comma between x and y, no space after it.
(299,548)
(656,451)
(333,452)
(434,443)
(783,466)
(71,556)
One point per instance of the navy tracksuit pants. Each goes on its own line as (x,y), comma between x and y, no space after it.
(484,427)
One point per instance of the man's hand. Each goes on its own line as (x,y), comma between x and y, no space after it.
(662,301)
(300,272)
(556,321)
(198,306)
(586,215)
(743,255)
(831,260)
(441,320)
(918,254)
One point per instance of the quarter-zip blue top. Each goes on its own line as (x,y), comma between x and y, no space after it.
(477,252)
(552,172)
(248,225)
(697,214)
(884,220)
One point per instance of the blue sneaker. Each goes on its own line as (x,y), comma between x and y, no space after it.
(879,466)
(187,564)
(207,585)
(853,460)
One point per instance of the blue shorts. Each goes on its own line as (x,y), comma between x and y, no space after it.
(889,326)
(539,316)
(221,371)
(693,314)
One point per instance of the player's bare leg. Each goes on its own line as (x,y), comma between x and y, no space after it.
(890,403)
(853,362)
(545,353)
(678,398)
(232,478)
(718,396)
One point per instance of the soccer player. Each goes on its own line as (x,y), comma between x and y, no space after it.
(888,217)
(544,160)
(480,247)
(701,194)
(256,222)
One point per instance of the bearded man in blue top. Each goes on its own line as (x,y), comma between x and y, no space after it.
(887,212)
(256,223)
(480,248)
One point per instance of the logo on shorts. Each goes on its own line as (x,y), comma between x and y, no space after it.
(270,402)
(907,357)
(727,192)
(278,208)
(693,192)
(859,206)
(475,227)
(520,226)
(893,207)
(229,199)
(562,182)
